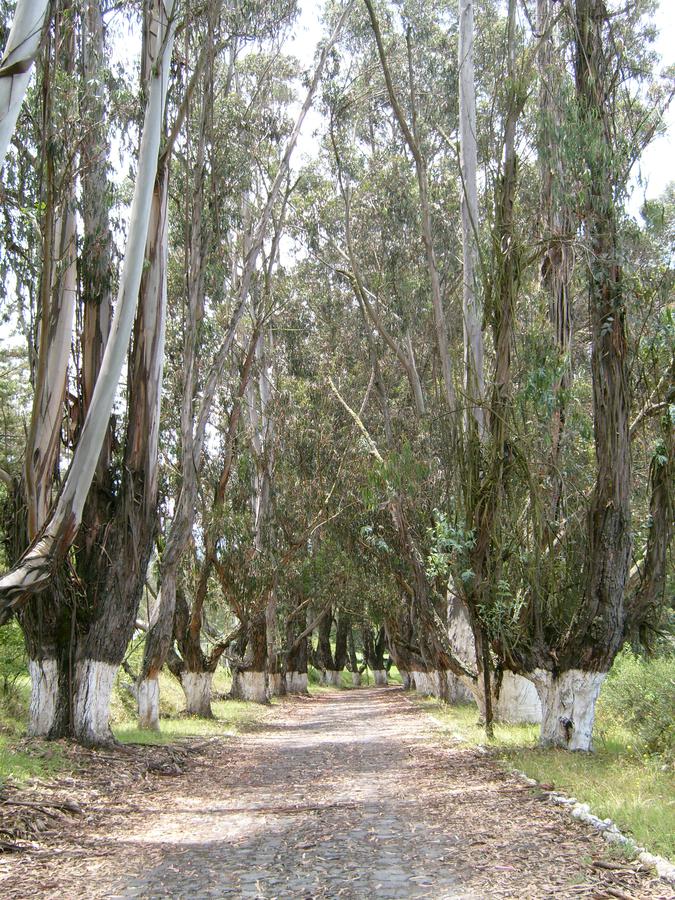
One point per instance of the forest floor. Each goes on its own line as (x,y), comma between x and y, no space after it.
(346,794)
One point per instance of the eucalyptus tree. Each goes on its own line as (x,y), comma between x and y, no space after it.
(558,225)
(44,619)
(33,571)
(105,629)
(473,385)
(195,420)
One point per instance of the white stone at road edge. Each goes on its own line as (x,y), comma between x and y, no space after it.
(581,811)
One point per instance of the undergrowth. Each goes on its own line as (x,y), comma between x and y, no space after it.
(621,780)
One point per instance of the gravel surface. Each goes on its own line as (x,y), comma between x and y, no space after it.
(349,794)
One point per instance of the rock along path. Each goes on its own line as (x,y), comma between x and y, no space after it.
(350,794)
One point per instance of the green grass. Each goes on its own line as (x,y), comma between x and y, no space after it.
(20,765)
(637,792)
(230,717)
(47,760)
(367,680)
(17,764)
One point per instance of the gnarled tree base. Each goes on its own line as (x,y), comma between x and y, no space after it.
(45,700)
(296,682)
(197,690)
(250,686)
(380,676)
(148,704)
(94,680)
(568,707)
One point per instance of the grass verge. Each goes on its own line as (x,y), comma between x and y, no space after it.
(367,680)
(637,792)
(230,717)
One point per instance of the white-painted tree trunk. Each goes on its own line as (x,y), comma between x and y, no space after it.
(426,683)
(406,681)
(16,65)
(331,678)
(197,690)
(44,688)
(380,676)
(460,633)
(148,704)
(296,682)
(94,682)
(568,707)
(277,684)
(251,686)
(458,689)
(356,679)
(518,701)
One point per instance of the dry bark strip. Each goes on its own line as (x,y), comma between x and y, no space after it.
(344,795)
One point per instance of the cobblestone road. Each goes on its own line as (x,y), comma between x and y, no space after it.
(350,794)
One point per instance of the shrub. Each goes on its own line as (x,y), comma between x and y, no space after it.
(12,656)
(640,694)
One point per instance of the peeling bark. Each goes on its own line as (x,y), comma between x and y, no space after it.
(34,569)
(16,65)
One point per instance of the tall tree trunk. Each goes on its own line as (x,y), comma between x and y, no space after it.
(486,554)
(47,620)
(161,627)
(411,138)
(251,682)
(647,583)
(296,652)
(96,258)
(569,692)
(468,147)
(16,65)
(558,231)
(119,565)
(160,632)
(342,632)
(323,657)
(34,570)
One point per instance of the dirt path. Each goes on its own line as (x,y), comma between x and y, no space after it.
(350,795)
